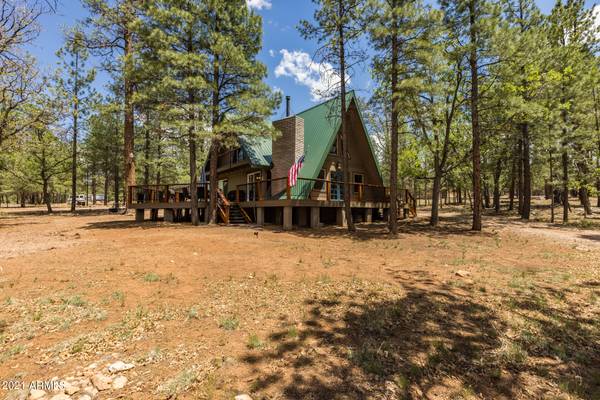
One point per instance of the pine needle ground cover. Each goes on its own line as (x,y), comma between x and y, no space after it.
(212,312)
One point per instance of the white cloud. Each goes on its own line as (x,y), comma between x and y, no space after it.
(272,53)
(320,78)
(259,4)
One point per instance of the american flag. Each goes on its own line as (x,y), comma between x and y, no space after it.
(293,172)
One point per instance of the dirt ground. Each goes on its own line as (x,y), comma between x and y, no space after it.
(214,312)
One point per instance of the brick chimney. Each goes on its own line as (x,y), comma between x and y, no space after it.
(287,148)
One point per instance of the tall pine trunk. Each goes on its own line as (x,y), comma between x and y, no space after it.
(551,166)
(393,214)
(497,173)
(511,190)
(147,151)
(435,194)
(486,193)
(526,207)
(46,195)
(212,209)
(193,162)
(344,119)
(106,175)
(215,145)
(597,123)
(565,183)
(128,127)
(116,176)
(584,198)
(520,197)
(475,118)
(75,134)
(158,155)
(94,183)
(193,177)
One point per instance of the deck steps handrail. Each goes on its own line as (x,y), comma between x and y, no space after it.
(223,206)
(245,214)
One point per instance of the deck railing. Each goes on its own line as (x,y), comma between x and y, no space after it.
(260,190)
(172,193)
(306,188)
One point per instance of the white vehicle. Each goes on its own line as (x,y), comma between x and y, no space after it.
(79,200)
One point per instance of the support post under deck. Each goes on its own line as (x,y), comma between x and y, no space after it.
(260,216)
(368,215)
(287,218)
(315,217)
(139,215)
(303,216)
(341,217)
(169,215)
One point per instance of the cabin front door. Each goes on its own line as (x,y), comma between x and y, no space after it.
(337,186)
(251,189)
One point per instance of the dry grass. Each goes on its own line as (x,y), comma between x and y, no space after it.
(214,312)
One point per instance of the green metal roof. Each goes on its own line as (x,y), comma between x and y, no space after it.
(321,125)
(258,148)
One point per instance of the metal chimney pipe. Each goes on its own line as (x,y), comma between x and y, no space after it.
(287,106)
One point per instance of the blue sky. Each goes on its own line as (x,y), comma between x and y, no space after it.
(286,54)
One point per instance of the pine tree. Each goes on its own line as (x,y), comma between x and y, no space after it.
(203,56)
(240,102)
(104,145)
(572,39)
(397,29)
(338,27)
(172,38)
(474,22)
(521,73)
(112,37)
(75,86)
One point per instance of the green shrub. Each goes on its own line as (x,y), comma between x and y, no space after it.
(229,323)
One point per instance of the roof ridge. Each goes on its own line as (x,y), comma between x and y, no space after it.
(350,92)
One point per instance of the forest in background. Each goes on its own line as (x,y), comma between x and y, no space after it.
(479,98)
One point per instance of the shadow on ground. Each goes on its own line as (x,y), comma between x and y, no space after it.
(15,212)
(432,341)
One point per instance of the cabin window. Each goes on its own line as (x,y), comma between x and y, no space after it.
(358,179)
(334,147)
(319,183)
(238,155)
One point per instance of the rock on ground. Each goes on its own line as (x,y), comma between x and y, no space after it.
(36,394)
(60,396)
(119,366)
(119,382)
(102,382)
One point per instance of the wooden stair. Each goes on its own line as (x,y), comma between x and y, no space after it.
(223,206)
(237,215)
(231,213)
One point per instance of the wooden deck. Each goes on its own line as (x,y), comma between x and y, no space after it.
(308,196)
(272,193)
(262,203)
